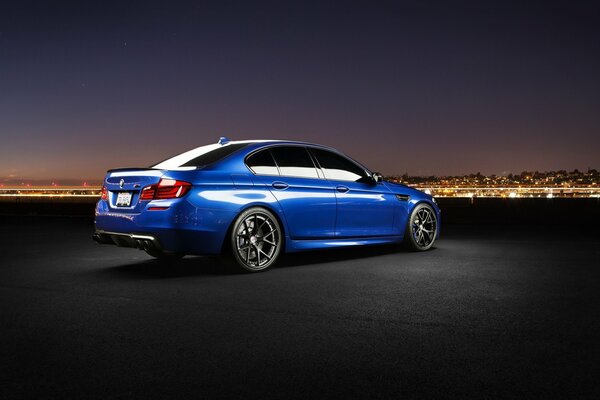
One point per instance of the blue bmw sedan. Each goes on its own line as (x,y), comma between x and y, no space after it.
(254,200)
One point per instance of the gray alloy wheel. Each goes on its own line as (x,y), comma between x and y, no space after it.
(256,239)
(421,229)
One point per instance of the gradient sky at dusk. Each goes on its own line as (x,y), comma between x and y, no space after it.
(419,87)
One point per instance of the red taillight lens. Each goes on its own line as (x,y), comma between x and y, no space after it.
(166,189)
(148,192)
(170,189)
(104,195)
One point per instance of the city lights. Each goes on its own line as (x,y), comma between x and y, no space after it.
(555,184)
(548,185)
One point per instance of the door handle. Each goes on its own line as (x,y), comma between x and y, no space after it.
(280,185)
(342,189)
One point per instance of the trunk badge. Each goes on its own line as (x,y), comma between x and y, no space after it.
(121,183)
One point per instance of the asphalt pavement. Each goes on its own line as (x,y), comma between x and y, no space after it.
(493,311)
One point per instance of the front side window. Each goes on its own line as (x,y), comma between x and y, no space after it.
(339,168)
(294,161)
(262,163)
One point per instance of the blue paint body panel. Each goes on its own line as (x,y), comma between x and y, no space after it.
(315,213)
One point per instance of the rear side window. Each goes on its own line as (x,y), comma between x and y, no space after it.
(214,155)
(294,161)
(262,163)
(339,168)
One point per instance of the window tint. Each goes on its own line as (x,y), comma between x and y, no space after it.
(214,155)
(339,168)
(294,161)
(262,163)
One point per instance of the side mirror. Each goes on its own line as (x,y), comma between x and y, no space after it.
(377,177)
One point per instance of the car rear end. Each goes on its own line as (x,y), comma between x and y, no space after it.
(162,209)
(144,208)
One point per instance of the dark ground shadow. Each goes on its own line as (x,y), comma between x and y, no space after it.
(338,254)
(187,267)
(215,265)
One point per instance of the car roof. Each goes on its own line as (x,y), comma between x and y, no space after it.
(179,159)
(281,141)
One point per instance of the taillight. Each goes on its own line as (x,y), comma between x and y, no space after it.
(104,195)
(148,192)
(165,189)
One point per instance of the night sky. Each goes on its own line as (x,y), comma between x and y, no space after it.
(418,87)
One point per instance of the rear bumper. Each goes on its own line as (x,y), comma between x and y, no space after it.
(182,228)
(168,240)
(142,242)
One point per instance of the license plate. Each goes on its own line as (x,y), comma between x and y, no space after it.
(124,199)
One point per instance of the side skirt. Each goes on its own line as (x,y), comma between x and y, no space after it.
(301,245)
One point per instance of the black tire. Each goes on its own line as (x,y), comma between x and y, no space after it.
(421,228)
(256,240)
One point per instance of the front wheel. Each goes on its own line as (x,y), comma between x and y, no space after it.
(256,240)
(422,228)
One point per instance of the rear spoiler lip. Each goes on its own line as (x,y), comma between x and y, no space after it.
(131,169)
(153,169)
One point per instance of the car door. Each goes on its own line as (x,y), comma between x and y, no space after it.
(308,202)
(364,208)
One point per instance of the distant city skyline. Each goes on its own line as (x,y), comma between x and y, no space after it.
(426,88)
(527,184)
(590,176)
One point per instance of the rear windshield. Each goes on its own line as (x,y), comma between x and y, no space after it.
(200,157)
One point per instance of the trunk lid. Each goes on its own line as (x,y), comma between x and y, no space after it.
(124,186)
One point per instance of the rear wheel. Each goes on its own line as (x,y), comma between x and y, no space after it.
(422,228)
(256,240)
